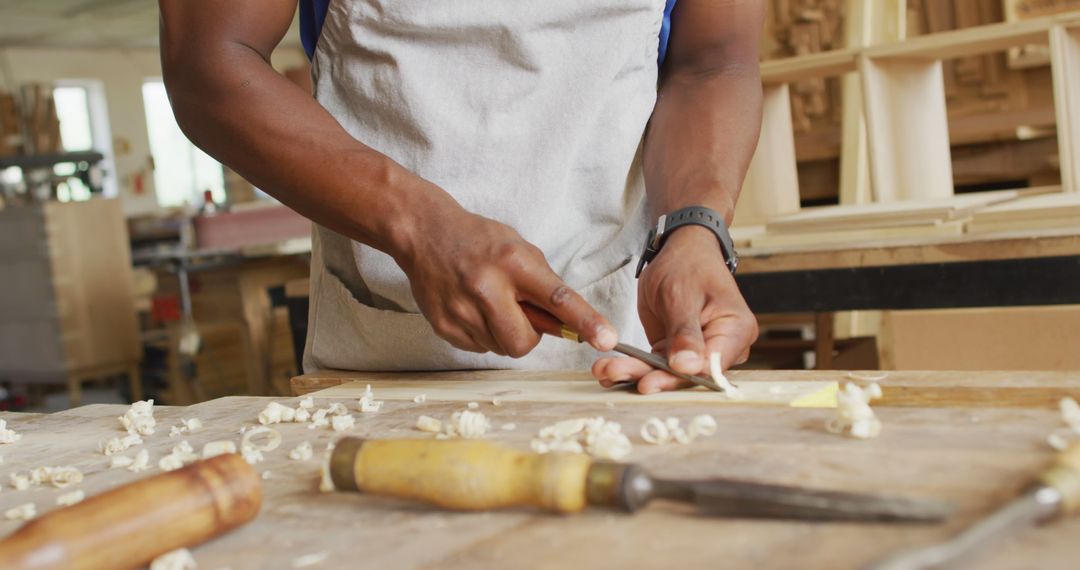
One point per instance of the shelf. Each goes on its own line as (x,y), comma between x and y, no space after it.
(47,160)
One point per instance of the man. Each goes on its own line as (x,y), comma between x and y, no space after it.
(463,156)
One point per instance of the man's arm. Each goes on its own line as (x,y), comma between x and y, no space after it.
(698,146)
(468,273)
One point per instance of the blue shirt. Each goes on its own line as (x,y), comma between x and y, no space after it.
(313,14)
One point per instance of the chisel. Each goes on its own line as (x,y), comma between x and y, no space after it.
(546,323)
(129,526)
(475,475)
(1055,494)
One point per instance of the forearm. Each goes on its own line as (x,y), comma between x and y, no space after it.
(232,104)
(701,138)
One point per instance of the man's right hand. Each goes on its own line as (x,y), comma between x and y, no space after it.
(468,273)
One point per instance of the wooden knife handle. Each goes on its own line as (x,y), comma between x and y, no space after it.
(131,525)
(466,475)
(547,323)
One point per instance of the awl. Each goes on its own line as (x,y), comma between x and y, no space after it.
(477,475)
(1055,494)
(546,323)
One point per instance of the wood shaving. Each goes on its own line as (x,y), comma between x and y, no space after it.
(139,418)
(141,462)
(307,403)
(854,416)
(597,437)
(8,435)
(216,448)
(22,512)
(703,425)
(179,559)
(275,413)
(301,452)
(508,427)
(309,559)
(1058,441)
(251,455)
(655,431)
(338,409)
(867,377)
(272,442)
(62,477)
(662,432)
(319,419)
(181,455)
(119,444)
(186,426)
(1070,414)
(428,424)
(19,482)
(302,415)
(265,475)
(716,370)
(326,483)
(120,461)
(473,405)
(496,402)
(467,425)
(368,404)
(342,423)
(68,499)
(420,398)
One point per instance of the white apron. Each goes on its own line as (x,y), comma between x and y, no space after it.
(531,113)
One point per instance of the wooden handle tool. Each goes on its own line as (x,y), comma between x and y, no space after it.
(477,475)
(1054,495)
(131,525)
(546,323)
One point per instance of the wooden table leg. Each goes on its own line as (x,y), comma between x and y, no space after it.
(74,389)
(134,375)
(824,342)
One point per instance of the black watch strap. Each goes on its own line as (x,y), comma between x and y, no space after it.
(692,216)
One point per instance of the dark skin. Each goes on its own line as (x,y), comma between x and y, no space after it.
(468,273)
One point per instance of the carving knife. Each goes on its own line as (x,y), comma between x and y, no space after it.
(477,475)
(1055,494)
(546,323)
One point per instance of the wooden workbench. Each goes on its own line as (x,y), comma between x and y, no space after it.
(971,439)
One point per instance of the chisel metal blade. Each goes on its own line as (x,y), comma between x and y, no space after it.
(722,497)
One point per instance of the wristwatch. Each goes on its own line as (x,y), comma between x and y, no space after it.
(692,216)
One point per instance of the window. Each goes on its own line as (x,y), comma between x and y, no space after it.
(76,135)
(181,171)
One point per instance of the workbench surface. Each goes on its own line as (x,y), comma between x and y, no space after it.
(957,444)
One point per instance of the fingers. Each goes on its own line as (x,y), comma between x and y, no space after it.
(686,341)
(611,370)
(509,326)
(546,290)
(732,339)
(660,381)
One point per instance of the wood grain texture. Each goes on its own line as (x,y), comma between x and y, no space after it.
(771,187)
(975,456)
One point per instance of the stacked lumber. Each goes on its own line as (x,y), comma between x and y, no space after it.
(42,134)
(10,125)
(1045,211)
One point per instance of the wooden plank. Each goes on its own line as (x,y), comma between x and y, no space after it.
(771,187)
(907,129)
(881,214)
(439,388)
(1015,245)
(822,64)
(863,235)
(969,41)
(1050,205)
(975,457)
(1032,389)
(1065,63)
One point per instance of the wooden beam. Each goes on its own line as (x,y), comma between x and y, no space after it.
(971,41)
(1065,63)
(771,187)
(823,64)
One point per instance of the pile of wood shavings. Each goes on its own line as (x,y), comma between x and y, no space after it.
(597,437)
(661,432)
(716,370)
(8,435)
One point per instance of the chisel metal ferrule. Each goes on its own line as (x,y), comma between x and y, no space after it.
(565,332)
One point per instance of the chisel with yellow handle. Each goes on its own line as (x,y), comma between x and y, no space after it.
(473,475)
(1054,494)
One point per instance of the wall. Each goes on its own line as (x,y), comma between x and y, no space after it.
(122,73)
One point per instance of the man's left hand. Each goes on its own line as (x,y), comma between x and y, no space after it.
(690,307)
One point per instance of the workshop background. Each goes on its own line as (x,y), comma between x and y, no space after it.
(914,204)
